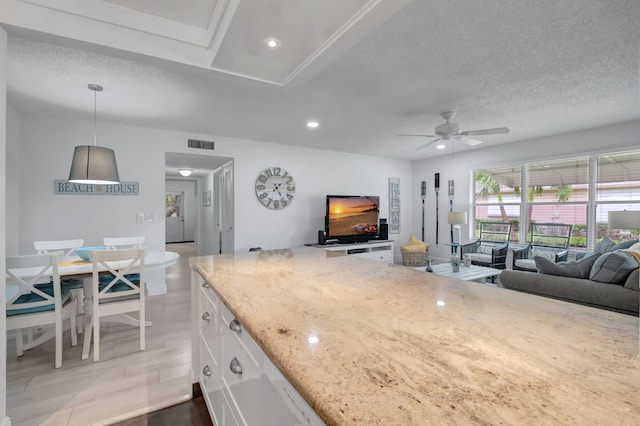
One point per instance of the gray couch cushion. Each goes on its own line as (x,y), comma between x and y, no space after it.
(633,280)
(578,269)
(612,297)
(613,268)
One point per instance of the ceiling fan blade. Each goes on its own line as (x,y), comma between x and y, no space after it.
(495,131)
(428,144)
(424,136)
(469,141)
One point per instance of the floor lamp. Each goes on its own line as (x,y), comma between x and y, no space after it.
(626,220)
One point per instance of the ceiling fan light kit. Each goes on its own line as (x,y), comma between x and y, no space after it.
(450,131)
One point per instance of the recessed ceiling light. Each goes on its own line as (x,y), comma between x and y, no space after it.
(272,43)
(440,146)
(185,172)
(312,124)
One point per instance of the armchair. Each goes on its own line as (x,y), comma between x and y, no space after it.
(490,249)
(548,240)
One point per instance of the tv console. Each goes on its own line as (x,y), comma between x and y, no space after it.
(375,249)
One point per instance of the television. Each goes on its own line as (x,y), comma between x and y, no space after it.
(351,218)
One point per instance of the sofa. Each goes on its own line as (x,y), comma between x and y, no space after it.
(602,280)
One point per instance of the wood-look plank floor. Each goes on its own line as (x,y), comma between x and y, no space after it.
(126,382)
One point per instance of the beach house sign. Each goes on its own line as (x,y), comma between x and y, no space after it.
(122,188)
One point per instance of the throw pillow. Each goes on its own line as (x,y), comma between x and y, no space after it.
(612,268)
(624,245)
(415,245)
(482,249)
(577,269)
(544,252)
(604,245)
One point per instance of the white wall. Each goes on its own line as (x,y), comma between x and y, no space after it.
(458,166)
(50,143)
(188,186)
(4,420)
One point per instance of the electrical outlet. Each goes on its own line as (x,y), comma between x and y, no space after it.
(140,217)
(150,217)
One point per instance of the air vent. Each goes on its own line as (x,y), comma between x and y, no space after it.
(199,144)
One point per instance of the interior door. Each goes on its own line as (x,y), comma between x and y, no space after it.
(174,217)
(226,220)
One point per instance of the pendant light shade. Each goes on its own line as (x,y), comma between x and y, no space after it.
(94,164)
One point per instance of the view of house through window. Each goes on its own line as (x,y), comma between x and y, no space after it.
(577,191)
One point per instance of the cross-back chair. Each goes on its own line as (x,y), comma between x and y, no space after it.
(123,242)
(122,293)
(548,240)
(491,248)
(40,301)
(74,284)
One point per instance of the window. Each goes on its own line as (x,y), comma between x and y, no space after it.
(570,191)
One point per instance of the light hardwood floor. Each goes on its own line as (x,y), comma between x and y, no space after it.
(125,382)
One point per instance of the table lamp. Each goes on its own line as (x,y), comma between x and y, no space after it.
(456,219)
(626,220)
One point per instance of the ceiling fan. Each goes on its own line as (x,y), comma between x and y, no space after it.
(451,131)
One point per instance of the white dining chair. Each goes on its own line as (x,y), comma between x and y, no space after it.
(123,242)
(73,284)
(40,301)
(124,293)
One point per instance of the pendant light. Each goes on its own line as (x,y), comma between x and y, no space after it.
(94,164)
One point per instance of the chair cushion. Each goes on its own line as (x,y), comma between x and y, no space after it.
(32,297)
(526,264)
(479,257)
(71,283)
(613,268)
(120,286)
(578,269)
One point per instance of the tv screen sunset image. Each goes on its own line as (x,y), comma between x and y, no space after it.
(352,216)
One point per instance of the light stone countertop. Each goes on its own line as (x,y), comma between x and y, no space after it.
(389,354)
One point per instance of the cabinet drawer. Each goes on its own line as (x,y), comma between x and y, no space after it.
(233,326)
(211,385)
(382,255)
(296,404)
(210,323)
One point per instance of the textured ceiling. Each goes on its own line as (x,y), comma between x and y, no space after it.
(374,69)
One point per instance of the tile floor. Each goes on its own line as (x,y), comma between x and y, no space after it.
(126,382)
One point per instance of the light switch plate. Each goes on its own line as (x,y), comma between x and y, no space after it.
(140,217)
(150,217)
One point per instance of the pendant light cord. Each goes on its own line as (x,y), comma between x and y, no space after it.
(96,88)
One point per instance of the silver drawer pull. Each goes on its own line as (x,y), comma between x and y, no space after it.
(234,325)
(206,371)
(204,284)
(206,316)
(235,366)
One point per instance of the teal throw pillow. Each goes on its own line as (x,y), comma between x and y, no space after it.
(604,245)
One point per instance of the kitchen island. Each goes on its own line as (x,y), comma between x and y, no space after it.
(368,343)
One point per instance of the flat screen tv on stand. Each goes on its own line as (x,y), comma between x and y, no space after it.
(351,218)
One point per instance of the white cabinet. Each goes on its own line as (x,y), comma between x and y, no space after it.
(378,250)
(240,384)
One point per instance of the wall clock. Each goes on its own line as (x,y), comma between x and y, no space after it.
(275,188)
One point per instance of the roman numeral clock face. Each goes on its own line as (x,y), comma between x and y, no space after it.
(275,188)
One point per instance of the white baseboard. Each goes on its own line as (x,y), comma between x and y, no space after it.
(6,421)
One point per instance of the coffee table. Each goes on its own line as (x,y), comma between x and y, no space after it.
(468,273)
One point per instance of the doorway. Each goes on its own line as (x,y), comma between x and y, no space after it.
(174,217)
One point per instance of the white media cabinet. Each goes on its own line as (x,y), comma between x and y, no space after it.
(374,250)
